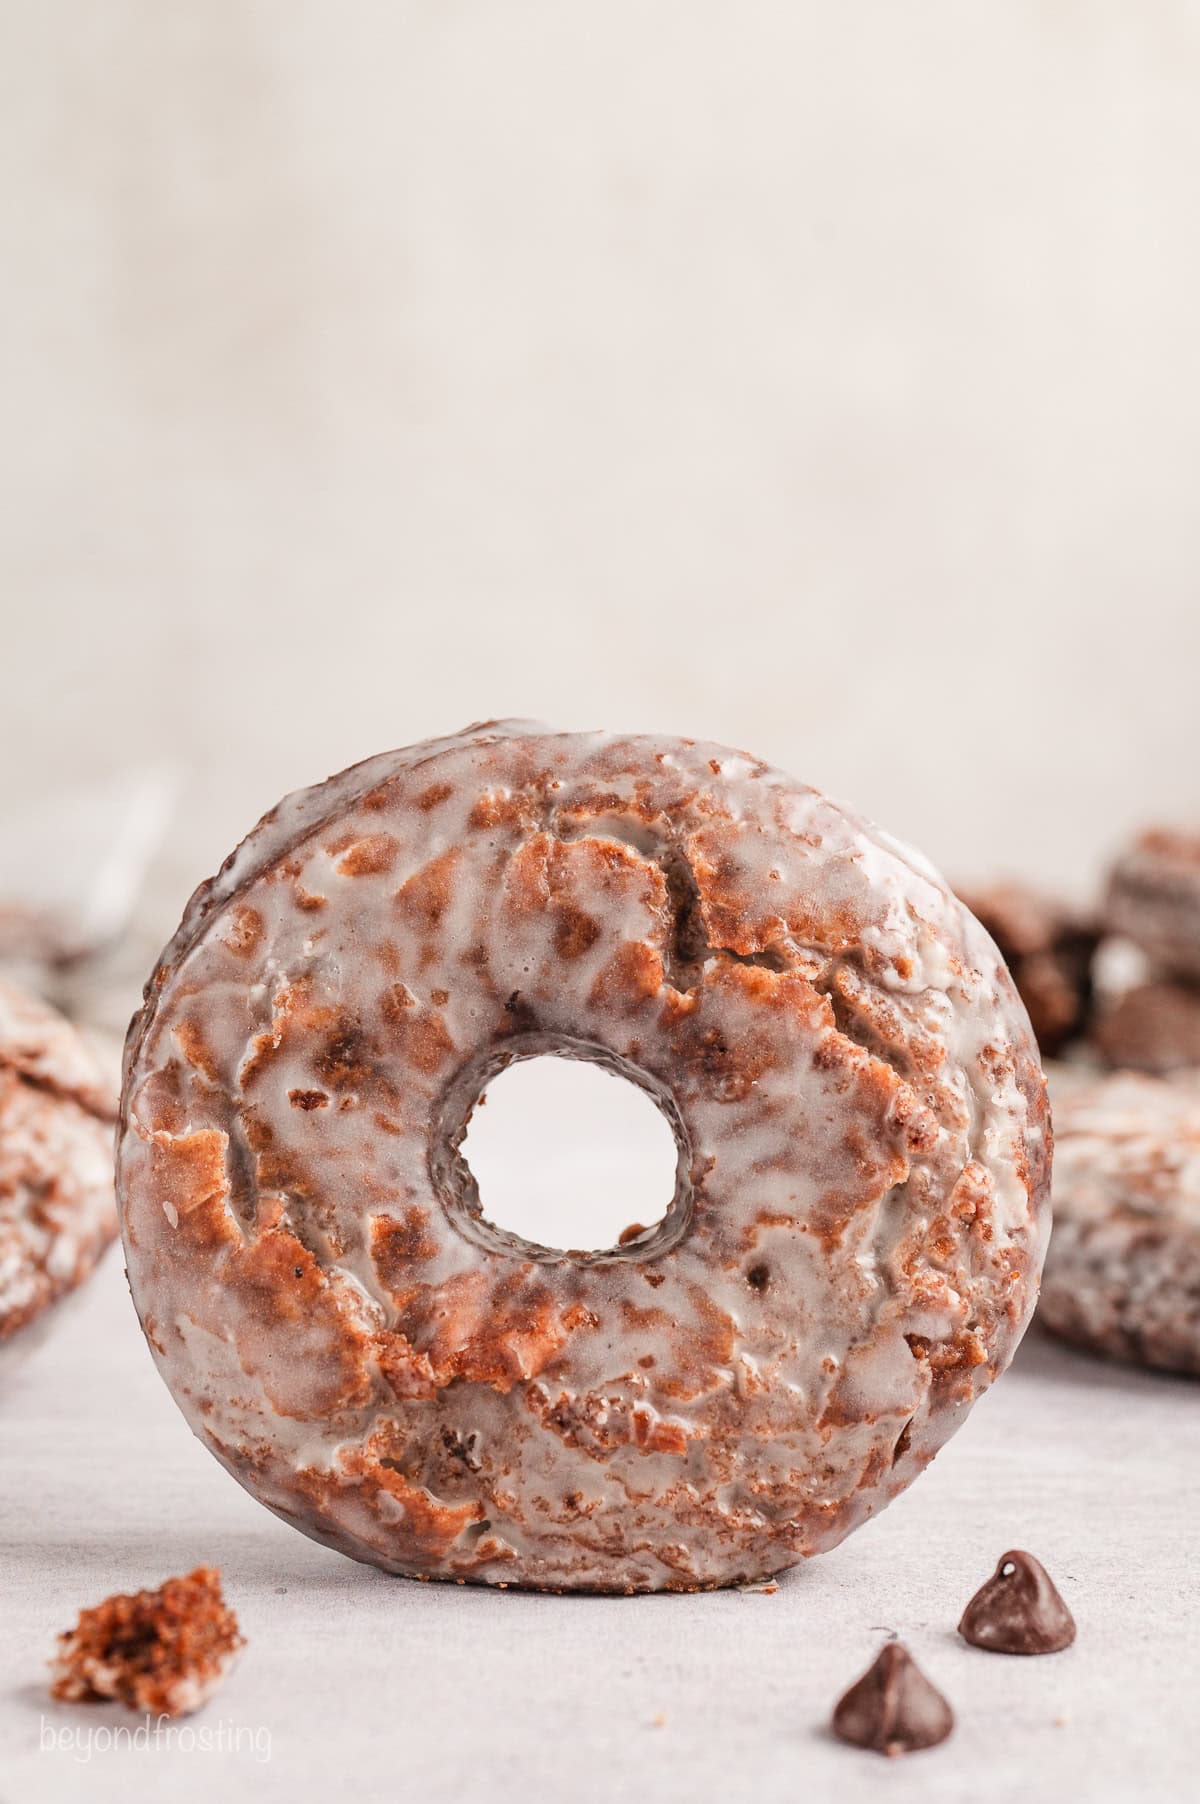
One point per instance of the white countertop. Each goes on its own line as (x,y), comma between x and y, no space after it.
(352,1681)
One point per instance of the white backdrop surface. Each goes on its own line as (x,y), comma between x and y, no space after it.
(823,380)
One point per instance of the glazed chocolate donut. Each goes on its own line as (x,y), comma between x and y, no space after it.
(1123,1270)
(57,1208)
(859,1220)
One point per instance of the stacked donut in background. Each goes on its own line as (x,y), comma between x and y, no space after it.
(1117,997)
(1118,986)
(1049,949)
(1153,904)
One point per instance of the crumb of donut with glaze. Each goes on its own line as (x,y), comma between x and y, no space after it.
(163,1652)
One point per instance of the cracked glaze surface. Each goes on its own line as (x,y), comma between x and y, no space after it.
(858,1228)
(57,1210)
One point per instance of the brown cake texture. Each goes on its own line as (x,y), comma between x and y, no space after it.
(861,1208)
(1048,949)
(1153,1027)
(163,1652)
(1153,898)
(1123,1271)
(57,1208)
(1150,1021)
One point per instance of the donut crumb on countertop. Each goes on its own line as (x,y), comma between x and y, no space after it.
(163,1652)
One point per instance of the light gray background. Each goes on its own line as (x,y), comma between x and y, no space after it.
(824,379)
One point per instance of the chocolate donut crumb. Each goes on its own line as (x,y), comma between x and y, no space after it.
(1018,1611)
(893,1709)
(163,1652)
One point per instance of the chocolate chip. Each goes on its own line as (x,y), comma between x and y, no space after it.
(1018,1611)
(893,1708)
(758,1277)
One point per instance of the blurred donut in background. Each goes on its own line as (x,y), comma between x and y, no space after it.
(57,1207)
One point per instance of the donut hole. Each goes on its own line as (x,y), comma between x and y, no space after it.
(568,1155)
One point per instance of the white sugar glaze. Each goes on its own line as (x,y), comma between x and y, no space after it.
(1123,1271)
(861,1213)
(57,1209)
